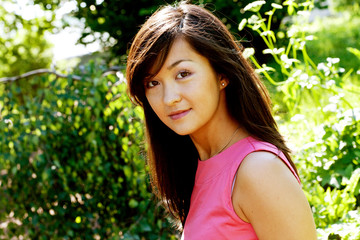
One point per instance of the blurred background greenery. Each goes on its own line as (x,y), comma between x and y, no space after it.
(72,158)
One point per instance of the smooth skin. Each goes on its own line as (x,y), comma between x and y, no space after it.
(267,195)
(188,96)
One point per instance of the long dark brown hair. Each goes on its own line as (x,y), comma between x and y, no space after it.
(172,158)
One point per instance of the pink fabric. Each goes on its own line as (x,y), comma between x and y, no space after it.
(211,214)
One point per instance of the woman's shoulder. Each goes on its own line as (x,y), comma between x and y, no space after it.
(266,166)
(268,195)
(260,155)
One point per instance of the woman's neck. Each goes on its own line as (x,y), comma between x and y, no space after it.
(211,140)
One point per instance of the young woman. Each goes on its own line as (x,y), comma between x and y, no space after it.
(215,155)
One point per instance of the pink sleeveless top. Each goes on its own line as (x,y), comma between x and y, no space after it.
(211,214)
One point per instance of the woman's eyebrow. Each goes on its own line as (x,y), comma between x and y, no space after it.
(148,77)
(178,62)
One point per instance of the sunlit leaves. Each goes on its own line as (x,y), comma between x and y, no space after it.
(291,6)
(23,46)
(311,95)
(74,146)
(354,51)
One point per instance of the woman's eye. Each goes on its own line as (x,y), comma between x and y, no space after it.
(151,84)
(183,74)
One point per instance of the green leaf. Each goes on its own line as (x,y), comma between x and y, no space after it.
(127,172)
(133,203)
(78,219)
(354,51)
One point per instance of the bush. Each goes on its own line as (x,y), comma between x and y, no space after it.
(329,43)
(100,17)
(72,165)
(23,46)
(328,141)
(71,162)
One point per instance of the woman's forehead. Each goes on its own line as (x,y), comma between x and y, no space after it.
(179,51)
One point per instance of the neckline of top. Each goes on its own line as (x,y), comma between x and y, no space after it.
(220,154)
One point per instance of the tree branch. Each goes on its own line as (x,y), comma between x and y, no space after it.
(37,72)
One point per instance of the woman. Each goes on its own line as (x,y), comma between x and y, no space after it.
(215,155)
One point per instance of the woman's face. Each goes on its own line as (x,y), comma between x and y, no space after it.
(185,94)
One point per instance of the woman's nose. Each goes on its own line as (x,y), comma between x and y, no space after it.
(172,95)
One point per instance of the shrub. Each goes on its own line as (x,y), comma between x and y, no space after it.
(71,161)
(328,156)
(23,46)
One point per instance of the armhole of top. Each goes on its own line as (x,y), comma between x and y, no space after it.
(232,187)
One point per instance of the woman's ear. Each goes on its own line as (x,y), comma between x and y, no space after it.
(223,81)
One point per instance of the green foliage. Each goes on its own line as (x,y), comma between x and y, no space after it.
(347,230)
(71,157)
(332,170)
(71,161)
(346,5)
(23,46)
(293,72)
(100,17)
(329,43)
(328,157)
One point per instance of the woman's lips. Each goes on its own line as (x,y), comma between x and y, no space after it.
(178,114)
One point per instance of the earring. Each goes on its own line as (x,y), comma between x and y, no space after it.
(222,84)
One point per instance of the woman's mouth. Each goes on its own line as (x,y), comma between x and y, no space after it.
(178,114)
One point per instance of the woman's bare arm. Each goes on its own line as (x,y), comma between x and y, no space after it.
(267,195)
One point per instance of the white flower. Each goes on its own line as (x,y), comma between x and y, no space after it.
(242,24)
(332,107)
(265,68)
(304,77)
(288,61)
(334,99)
(322,66)
(297,73)
(254,6)
(248,52)
(333,60)
(277,6)
(8,121)
(325,68)
(297,118)
(253,19)
(121,76)
(330,83)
